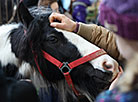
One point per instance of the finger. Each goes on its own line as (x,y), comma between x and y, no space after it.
(120,72)
(120,69)
(113,84)
(55,16)
(57,25)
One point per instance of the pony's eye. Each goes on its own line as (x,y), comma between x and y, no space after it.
(52,39)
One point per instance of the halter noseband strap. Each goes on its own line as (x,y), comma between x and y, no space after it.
(75,63)
(71,65)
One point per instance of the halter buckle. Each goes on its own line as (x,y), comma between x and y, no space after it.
(65,68)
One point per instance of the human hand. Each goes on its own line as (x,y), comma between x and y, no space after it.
(114,82)
(65,23)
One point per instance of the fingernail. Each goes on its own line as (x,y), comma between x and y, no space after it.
(52,24)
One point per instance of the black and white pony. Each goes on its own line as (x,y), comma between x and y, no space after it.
(75,68)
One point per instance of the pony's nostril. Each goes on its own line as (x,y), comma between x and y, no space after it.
(107,66)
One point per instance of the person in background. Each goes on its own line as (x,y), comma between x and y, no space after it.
(120,17)
(66,7)
(52,3)
(60,6)
(79,10)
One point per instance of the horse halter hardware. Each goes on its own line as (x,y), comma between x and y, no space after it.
(69,66)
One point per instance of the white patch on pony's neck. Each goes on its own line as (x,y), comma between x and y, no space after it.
(6,55)
(83,45)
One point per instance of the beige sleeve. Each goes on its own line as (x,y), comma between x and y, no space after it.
(101,37)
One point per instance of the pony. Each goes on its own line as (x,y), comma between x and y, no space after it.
(76,69)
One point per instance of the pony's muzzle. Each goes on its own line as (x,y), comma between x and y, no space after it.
(111,66)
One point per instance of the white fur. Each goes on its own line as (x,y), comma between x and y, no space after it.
(6,55)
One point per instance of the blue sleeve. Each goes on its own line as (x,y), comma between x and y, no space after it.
(116,96)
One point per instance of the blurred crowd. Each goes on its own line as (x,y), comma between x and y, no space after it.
(85,11)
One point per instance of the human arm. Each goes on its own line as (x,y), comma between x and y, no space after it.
(101,37)
(95,34)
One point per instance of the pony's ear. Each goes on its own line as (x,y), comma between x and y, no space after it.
(24,15)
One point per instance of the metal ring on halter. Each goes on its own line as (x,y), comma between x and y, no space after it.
(65,68)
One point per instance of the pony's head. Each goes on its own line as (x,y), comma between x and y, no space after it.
(35,41)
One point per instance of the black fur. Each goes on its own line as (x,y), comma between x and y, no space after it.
(10,70)
(35,34)
(12,90)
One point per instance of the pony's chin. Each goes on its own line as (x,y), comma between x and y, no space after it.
(103,84)
(103,80)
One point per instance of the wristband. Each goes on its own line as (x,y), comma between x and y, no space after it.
(77,28)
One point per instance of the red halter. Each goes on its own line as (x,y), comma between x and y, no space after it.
(70,66)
